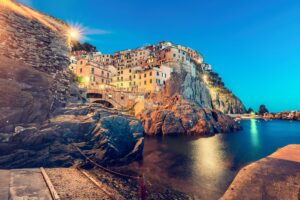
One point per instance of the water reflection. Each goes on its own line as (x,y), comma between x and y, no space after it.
(254,132)
(204,167)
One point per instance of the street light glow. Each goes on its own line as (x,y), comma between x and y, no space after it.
(75,34)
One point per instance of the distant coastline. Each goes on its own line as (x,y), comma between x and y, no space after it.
(286,115)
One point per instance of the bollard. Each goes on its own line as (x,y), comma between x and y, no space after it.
(143,195)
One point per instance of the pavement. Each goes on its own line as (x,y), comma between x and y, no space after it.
(274,177)
(23,184)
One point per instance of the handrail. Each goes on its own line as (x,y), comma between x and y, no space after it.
(140,178)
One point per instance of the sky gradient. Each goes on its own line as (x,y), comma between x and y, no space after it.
(254,45)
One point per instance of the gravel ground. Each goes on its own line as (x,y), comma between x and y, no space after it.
(71,184)
(129,189)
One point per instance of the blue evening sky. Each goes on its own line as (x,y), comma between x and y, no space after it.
(254,45)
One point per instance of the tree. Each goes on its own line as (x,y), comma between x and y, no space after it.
(77,46)
(262,110)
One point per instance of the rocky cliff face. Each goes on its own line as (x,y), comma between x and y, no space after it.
(36,127)
(222,98)
(34,55)
(177,116)
(189,105)
(206,89)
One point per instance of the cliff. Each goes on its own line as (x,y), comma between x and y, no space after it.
(205,88)
(34,56)
(38,125)
(221,97)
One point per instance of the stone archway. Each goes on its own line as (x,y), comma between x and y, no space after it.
(105,103)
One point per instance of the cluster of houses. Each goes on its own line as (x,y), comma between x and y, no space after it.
(143,69)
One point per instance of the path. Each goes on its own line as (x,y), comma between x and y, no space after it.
(22,184)
(70,183)
(274,177)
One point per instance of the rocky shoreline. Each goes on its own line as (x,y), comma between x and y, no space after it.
(289,115)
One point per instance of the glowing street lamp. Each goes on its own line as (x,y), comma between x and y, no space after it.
(74,34)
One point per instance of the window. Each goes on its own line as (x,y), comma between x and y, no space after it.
(174,55)
(80,70)
(130,71)
(150,73)
(129,77)
(133,76)
(145,75)
(121,78)
(157,73)
(157,81)
(150,80)
(107,75)
(102,80)
(145,82)
(102,72)
(140,77)
(129,83)
(93,71)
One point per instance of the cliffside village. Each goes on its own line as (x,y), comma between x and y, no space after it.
(144,69)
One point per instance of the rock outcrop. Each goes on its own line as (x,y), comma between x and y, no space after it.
(34,59)
(185,107)
(177,116)
(289,115)
(222,98)
(262,110)
(105,135)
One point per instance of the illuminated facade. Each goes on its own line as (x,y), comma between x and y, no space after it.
(90,73)
(150,79)
(142,69)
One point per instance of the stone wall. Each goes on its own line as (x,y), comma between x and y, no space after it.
(36,45)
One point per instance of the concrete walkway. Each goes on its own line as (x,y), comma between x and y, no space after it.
(23,184)
(274,177)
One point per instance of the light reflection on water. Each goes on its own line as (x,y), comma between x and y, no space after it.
(254,132)
(204,167)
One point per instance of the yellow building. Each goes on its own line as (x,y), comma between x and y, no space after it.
(150,79)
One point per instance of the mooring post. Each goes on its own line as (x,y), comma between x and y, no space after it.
(143,195)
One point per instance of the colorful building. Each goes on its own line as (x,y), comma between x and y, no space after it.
(91,74)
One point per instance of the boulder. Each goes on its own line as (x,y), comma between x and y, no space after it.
(104,135)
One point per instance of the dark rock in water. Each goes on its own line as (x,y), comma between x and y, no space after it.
(181,117)
(262,110)
(104,135)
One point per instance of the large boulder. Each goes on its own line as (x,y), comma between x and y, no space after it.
(105,136)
